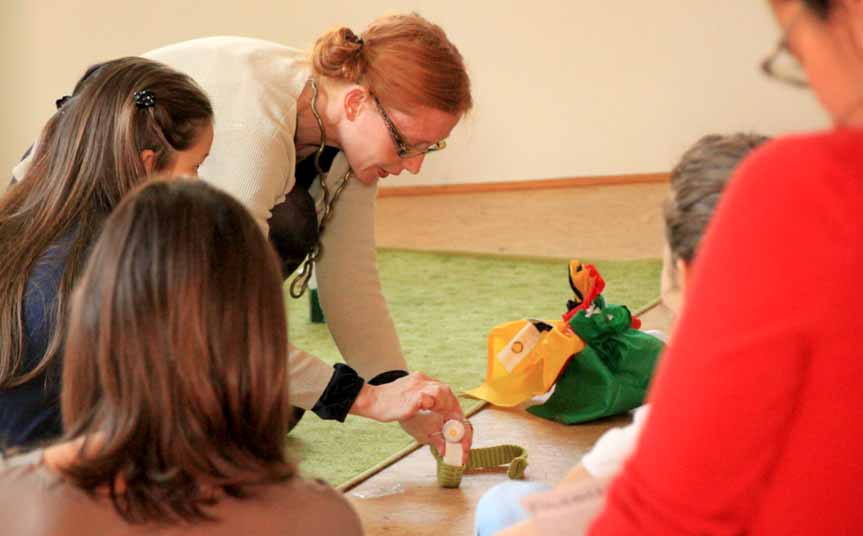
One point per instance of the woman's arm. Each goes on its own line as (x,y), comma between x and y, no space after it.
(348,283)
(309,376)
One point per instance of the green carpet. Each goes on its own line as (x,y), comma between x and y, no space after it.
(444,306)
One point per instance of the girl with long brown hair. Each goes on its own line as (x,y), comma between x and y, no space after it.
(175,392)
(128,118)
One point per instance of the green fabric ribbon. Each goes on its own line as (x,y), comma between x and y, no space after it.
(449,476)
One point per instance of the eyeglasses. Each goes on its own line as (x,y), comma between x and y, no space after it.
(403,149)
(781,64)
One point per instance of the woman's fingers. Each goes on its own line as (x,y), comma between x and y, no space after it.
(466,442)
(403,398)
(427,402)
(438,443)
(444,400)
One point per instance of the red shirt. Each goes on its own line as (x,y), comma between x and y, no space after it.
(754,422)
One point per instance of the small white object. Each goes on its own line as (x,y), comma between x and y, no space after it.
(519,347)
(611,450)
(453,432)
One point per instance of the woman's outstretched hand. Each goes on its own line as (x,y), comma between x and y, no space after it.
(419,403)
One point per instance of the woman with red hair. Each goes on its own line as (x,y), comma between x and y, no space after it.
(302,141)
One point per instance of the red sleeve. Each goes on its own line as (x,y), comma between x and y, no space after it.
(727,387)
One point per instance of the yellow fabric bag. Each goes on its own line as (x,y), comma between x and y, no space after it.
(525,358)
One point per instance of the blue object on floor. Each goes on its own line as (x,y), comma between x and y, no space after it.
(500,507)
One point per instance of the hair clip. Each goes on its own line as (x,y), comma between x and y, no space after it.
(351,37)
(62,100)
(144,99)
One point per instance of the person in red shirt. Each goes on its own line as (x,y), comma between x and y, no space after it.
(752,428)
(696,185)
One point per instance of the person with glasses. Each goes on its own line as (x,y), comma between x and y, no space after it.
(753,421)
(302,140)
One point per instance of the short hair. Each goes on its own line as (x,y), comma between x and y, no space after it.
(697,182)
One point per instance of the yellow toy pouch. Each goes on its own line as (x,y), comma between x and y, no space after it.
(525,357)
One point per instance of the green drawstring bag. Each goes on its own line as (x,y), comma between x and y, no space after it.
(610,375)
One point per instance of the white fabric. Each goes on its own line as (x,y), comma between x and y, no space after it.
(606,457)
(661,335)
(253,86)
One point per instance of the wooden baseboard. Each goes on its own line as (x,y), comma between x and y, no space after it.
(539,184)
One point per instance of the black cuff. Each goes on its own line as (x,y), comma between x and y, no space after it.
(388,377)
(340,394)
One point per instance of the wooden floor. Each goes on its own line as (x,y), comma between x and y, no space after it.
(592,222)
(617,222)
(405,499)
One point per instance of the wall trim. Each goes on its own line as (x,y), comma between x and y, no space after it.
(508,186)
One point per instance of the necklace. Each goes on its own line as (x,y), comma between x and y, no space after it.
(301,281)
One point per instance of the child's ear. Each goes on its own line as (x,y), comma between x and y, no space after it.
(148,158)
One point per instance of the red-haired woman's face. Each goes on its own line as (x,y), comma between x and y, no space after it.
(371,146)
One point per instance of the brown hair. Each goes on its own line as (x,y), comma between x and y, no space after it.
(403,59)
(176,356)
(87,159)
(697,182)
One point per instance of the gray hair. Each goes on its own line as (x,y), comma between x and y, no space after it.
(696,184)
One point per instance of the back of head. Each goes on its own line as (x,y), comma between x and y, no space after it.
(697,183)
(87,159)
(175,365)
(405,60)
(93,144)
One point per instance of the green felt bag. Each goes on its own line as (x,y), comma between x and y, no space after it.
(610,375)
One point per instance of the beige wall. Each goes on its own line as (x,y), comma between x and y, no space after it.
(563,88)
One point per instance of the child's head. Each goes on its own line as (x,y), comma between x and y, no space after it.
(176,354)
(127,118)
(696,185)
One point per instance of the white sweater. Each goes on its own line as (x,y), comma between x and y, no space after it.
(253,86)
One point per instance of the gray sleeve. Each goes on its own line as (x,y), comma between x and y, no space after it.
(349,285)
